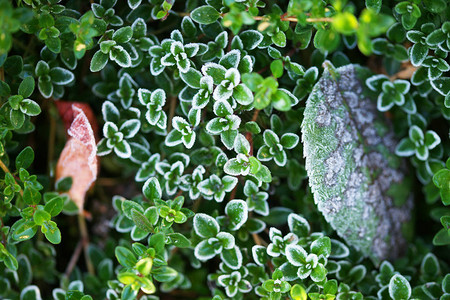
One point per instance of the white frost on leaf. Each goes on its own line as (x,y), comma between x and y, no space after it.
(79,157)
(350,162)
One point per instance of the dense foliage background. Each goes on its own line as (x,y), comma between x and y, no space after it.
(203,190)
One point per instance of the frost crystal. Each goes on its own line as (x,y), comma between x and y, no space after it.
(358,183)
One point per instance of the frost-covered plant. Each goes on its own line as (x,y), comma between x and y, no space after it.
(245,149)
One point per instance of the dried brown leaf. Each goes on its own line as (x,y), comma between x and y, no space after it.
(79,157)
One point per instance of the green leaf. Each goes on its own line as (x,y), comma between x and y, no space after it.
(321,246)
(5,90)
(42,68)
(232,258)
(205,14)
(51,232)
(251,39)
(277,68)
(40,216)
(205,226)
(446,284)
(141,221)
(61,76)
(30,108)
(281,101)
(17,118)
(26,273)
(152,189)
(144,266)
(374,5)
(279,39)
(123,34)
(130,128)
(25,158)
(327,40)
(53,44)
(63,184)
(13,65)
(26,87)
(441,238)
(54,206)
(399,288)
(430,268)
(192,78)
(296,255)
(298,225)
(188,27)
(164,274)
(23,230)
(319,273)
(406,147)
(178,240)
(436,37)
(125,257)
(330,171)
(298,292)
(237,212)
(45,86)
(289,140)
(128,206)
(204,250)
(120,56)
(345,23)
(98,61)
(31,195)
(10,262)
(31,292)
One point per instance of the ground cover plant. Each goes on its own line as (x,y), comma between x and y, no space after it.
(224,149)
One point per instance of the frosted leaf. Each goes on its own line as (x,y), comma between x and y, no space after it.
(237,212)
(232,258)
(231,59)
(79,157)
(359,184)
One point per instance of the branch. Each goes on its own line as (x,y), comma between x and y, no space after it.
(6,170)
(265,18)
(85,242)
(172,106)
(294,19)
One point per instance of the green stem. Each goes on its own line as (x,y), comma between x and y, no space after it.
(6,170)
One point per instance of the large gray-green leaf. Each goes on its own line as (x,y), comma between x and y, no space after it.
(359,184)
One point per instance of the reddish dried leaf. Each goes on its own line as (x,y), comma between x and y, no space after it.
(79,156)
(68,114)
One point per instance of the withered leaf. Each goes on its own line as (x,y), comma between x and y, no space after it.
(79,157)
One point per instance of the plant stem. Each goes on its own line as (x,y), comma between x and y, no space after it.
(3,234)
(282,18)
(405,73)
(249,134)
(197,204)
(4,167)
(6,170)
(85,241)
(73,259)
(2,78)
(51,138)
(294,19)
(233,192)
(172,106)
